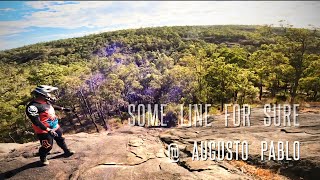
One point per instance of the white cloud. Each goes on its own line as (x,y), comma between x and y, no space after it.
(102,14)
(115,15)
(6,9)
(43,4)
(59,15)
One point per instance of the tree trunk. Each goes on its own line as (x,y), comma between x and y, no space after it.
(295,87)
(298,73)
(273,89)
(243,98)
(222,104)
(260,91)
(71,122)
(89,110)
(76,115)
(235,97)
(83,108)
(293,94)
(101,116)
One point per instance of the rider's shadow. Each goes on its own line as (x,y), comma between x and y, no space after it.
(57,157)
(35,164)
(13,172)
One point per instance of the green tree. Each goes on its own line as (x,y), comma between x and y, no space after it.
(297,44)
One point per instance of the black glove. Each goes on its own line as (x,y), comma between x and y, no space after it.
(66,109)
(53,133)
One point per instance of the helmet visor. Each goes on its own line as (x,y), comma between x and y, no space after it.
(51,97)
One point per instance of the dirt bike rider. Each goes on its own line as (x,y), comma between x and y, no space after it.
(45,123)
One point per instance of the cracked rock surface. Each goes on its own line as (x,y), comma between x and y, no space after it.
(137,153)
(128,153)
(307,133)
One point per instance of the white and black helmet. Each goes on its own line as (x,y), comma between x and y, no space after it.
(45,90)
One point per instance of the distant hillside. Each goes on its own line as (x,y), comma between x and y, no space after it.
(99,75)
(86,46)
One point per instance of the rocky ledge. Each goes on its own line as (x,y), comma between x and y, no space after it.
(141,153)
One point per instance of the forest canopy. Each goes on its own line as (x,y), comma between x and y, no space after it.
(99,75)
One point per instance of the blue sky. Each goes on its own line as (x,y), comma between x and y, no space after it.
(28,22)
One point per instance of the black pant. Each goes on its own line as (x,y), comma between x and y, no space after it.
(46,141)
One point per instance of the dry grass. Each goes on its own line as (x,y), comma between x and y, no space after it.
(115,124)
(310,110)
(256,172)
(310,107)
